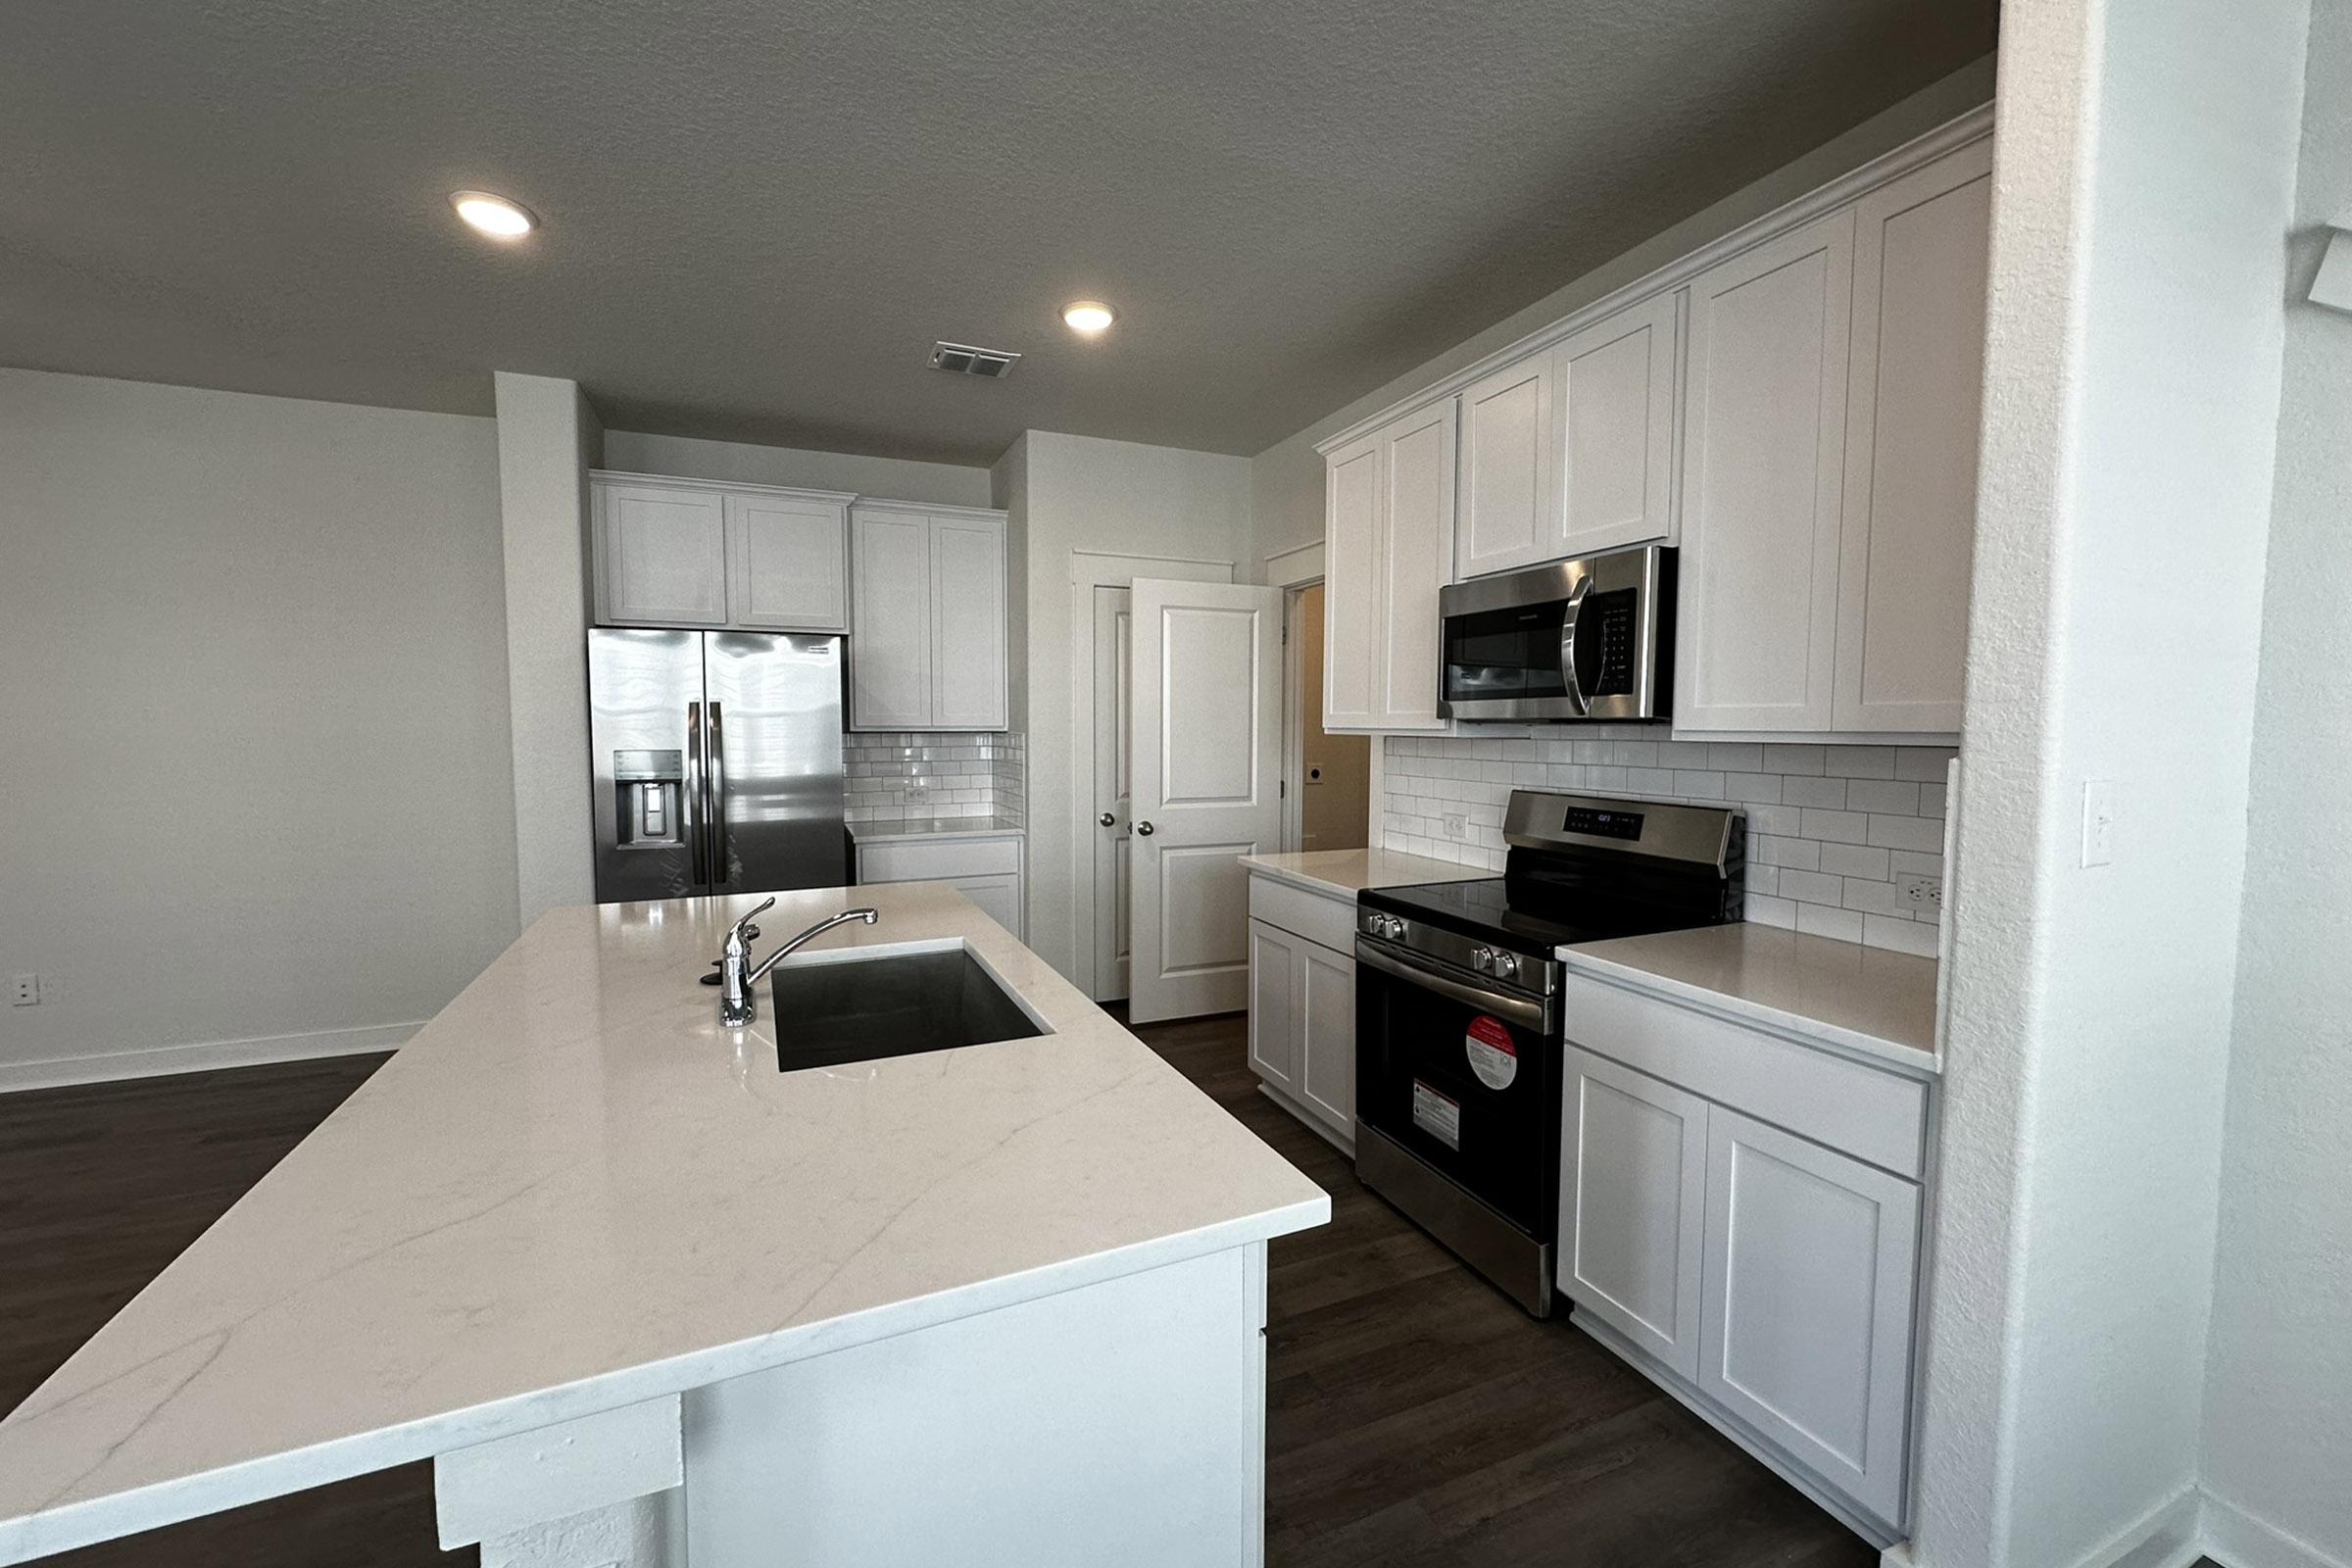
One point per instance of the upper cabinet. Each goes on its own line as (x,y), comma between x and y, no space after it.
(694,553)
(1389,539)
(928,598)
(1570,451)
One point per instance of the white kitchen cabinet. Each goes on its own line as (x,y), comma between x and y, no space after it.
(660,554)
(928,602)
(1632,1204)
(1302,1003)
(1763,474)
(669,552)
(1909,526)
(788,562)
(986,868)
(1570,451)
(1811,1260)
(1388,547)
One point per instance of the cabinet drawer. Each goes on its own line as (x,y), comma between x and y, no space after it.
(937,859)
(1311,916)
(1873,1115)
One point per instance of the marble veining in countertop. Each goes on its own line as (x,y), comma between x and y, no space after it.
(1343,873)
(1866,999)
(573,1189)
(936,827)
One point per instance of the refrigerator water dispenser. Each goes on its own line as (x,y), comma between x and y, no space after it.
(649,786)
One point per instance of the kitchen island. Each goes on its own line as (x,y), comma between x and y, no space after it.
(638,1293)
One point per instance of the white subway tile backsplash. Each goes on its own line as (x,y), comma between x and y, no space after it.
(898,776)
(1832,829)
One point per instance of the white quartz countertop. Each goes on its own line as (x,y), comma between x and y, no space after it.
(1863,1000)
(573,1189)
(936,827)
(1343,873)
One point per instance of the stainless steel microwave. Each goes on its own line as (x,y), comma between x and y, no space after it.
(1575,639)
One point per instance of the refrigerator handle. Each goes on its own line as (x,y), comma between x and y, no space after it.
(691,806)
(721,871)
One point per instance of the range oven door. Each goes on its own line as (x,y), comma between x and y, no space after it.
(1576,639)
(1458,1108)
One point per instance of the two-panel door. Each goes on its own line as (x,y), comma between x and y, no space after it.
(1388,547)
(1570,451)
(928,593)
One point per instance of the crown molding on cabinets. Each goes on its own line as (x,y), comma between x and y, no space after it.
(1917,153)
(683,482)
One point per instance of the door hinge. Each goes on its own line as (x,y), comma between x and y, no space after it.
(1282,790)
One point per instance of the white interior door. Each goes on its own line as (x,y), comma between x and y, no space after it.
(1113,840)
(1207,706)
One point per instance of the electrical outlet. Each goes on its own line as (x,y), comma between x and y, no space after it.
(915,792)
(1458,826)
(1923,891)
(24,990)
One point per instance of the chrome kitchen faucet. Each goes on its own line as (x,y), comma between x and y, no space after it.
(738,981)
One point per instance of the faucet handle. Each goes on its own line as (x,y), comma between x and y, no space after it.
(746,916)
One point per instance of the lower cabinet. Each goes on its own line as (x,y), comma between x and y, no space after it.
(986,870)
(1302,1005)
(1768,1278)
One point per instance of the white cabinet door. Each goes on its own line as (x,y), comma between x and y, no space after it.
(968,623)
(788,564)
(1909,528)
(999,898)
(1632,1206)
(663,555)
(890,656)
(1613,403)
(1325,1009)
(1763,471)
(1507,482)
(1807,1328)
(1352,487)
(1274,1033)
(1416,541)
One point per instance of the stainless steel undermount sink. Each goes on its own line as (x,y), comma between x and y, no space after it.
(830,1011)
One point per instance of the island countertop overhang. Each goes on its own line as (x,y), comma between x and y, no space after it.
(573,1189)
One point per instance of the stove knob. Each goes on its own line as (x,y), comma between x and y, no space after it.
(1483,960)
(1394,930)
(1505,967)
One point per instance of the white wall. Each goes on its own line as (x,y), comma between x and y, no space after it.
(2279,1392)
(547,440)
(255,718)
(1069,492)
(892,478)
(2144,177)
(1287,478)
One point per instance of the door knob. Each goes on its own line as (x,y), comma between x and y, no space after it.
(1106,819)
(1144,828)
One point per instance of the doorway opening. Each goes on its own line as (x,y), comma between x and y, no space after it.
(1327,805)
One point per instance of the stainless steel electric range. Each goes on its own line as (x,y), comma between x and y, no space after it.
(1458,1012)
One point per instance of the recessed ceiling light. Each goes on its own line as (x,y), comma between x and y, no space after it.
(1089,317)
(494,216)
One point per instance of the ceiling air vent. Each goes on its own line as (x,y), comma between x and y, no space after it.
(965,360)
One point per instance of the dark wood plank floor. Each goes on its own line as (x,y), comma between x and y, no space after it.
(1415,1416)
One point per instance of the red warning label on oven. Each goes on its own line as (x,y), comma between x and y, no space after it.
(1493,1056)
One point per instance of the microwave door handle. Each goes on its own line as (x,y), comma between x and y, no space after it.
(1568,677)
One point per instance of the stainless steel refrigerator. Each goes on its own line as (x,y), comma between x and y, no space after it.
(716,760)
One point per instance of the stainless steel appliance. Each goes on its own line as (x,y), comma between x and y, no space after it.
(716,763)
(1576,639)
(1458,1012)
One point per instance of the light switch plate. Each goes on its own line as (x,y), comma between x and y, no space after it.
(2098,822)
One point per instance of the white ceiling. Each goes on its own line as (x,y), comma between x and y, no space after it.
(759,213)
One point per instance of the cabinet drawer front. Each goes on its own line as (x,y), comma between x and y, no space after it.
(1810,1266)
(1311,916)
(1873,1115)
(937,859)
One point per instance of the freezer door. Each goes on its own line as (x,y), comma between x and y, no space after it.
(773,733)
(645,713)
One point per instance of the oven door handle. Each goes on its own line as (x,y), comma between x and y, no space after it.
(1568,676)
(1521,1010)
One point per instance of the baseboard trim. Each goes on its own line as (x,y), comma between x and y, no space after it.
(201,1057)
(2168,1535)
(2237,1539)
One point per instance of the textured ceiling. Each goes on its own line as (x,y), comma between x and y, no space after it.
(759,213)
